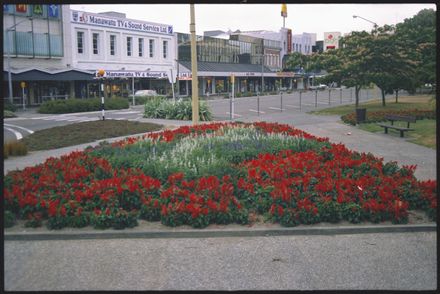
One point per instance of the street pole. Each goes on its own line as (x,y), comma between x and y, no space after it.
(258,103)
(262,76)
(329,96)
(24,103)
(132,89)
(194,81)
(300,92)
(172,85)
(11,99)
(102,100)
(316,98)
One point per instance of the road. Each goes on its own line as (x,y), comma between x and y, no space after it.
(17,128)
(245,107)
(377,261)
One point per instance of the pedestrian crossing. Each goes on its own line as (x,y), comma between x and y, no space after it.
(76,118)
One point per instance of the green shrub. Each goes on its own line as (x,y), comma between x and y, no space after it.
(57,222)
(7,105)
(123,219)
(160,107)
(8,219)
(82,105)
(15,148)
(378,116)
(8,114)
(141,100)
(329,211)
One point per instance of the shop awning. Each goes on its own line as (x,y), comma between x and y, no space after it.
(226,69)
(40,75)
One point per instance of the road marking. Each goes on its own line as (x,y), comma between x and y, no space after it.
(234,114)
(288,105)
(308,104)
(126,112)
(275,108)
(253,110)
(18,127)
(326,103)
(17,134)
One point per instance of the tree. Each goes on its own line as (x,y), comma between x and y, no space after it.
(419,35)
(296,60)
(390,67)
(349,64)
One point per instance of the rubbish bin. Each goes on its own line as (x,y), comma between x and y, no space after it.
(361,115)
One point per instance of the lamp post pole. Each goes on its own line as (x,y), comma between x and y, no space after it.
(194,81)
(262,75)
(375,24)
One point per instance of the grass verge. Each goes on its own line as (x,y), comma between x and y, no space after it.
(424,131)
(85,132)
(420,102)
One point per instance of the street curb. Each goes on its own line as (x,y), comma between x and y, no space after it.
(206,233)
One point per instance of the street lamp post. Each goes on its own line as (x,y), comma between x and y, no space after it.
(375,24)
(8,30)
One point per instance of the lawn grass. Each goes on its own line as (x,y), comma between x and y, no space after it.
(85,132)
(421,102)
(424,131)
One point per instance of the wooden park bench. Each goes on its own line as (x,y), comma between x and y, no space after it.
(393,118)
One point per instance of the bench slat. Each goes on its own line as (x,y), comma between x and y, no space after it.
(400,117)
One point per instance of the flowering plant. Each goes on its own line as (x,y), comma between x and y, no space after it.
(287,175)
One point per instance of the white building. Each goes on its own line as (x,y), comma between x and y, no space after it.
(57,52)
(303,43)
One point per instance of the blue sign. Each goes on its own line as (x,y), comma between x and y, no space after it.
(53,11)
(170,29)
(7,8)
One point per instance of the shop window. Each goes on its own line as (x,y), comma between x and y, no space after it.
(129,49)
(95,39)
(165,49)
(80,42)
(141,47)
(151,48)
(113,45)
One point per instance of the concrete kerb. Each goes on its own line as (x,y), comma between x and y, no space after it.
(210,233)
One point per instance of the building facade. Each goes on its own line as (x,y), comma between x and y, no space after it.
(219,58)
(304,43)
(57,53)
(34,46)
(125,49)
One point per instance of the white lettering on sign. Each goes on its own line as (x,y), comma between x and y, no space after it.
(135,74)
(87,18)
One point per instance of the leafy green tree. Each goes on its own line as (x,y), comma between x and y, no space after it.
(390,66)
(350,63)
(297,60)
(419,36)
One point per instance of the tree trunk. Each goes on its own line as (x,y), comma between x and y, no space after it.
(357,89)
(397,95)
(383,97)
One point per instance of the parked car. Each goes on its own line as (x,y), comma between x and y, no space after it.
(318,87)
(145,93)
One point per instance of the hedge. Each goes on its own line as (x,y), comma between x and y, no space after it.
(81,105)
(377,116)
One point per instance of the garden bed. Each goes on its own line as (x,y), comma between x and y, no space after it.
(217,174)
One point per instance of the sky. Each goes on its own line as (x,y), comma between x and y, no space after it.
(309,18)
